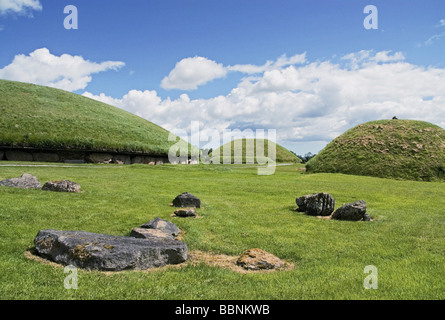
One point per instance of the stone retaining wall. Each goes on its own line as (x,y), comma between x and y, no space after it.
(80,156)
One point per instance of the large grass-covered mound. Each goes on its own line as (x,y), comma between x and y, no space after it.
(402,149)
(34,116)
(245,151)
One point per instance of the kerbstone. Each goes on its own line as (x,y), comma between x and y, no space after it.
(107,252)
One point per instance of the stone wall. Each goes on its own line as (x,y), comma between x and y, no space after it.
(80,156)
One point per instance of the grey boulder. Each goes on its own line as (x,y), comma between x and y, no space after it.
(316,204)
(106,252)
(354,211)
(187,200)
(26,181)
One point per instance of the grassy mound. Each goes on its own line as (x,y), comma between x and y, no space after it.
(41,117)
(238,147)
(402,149)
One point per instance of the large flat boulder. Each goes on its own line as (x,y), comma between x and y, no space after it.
(26,181)
(61,186)
(106,252)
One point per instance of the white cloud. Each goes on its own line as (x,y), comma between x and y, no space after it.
(313,102)
(358,59)
(189,73)
(19,6)
(385,56)
(270,65)
(65,72)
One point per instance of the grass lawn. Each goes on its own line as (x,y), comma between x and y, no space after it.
(241,210)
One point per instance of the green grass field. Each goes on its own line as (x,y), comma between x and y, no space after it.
(241,210)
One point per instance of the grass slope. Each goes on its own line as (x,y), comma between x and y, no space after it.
(238,147)
(402,149)
(43,117)
(241,210)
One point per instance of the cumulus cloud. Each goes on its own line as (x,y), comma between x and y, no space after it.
(19,6)
(358,59)
(189,73)
(310,102)
(65,72)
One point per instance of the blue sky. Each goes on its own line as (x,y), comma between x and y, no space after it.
(308,69)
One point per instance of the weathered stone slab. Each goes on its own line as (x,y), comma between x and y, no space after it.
(45,157)
(99,158)
(72,157)
(61,186)
(185,212)
(106,252)
(258,259)
(316,204)
(74,161)
(149,233)
(15,155)
(138,159)
(26,181)
(121,159)
(162,225)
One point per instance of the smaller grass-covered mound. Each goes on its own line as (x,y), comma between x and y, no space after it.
(401,149)
(245,151)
